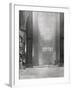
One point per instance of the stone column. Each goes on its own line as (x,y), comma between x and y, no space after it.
(35,39)
(57,38)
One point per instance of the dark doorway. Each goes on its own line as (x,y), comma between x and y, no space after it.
(62,39)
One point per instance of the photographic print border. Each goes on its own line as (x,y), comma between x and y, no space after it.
(14,45)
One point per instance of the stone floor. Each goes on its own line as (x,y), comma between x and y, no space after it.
(41,72)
